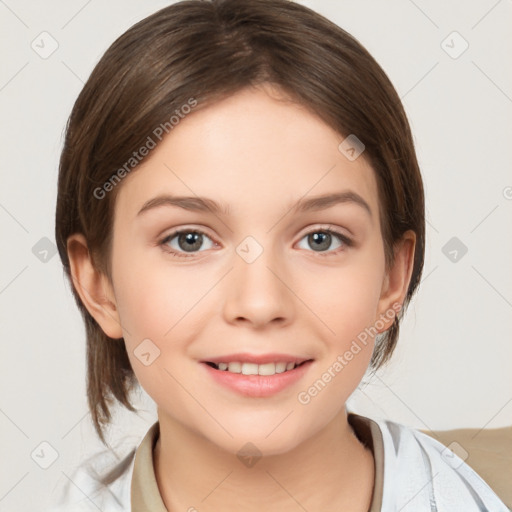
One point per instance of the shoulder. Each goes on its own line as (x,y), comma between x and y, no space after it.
(420,473)
(102,482)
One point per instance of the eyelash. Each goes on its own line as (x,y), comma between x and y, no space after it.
(346,241)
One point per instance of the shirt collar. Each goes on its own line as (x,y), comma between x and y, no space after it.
(145,494)
(144,489)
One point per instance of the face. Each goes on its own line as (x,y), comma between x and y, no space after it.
(263,270)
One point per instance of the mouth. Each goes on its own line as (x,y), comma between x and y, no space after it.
(257,376)
(266,369)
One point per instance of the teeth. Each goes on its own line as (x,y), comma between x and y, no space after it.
(249,369)
(280,367)
(235,367)
(256,369)
(267,369)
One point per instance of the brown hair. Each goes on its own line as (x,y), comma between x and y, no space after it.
(208,50)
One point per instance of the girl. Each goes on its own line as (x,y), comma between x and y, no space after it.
(241,214)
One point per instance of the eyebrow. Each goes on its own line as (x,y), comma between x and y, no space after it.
(322,202)
(193,203)
(203,204)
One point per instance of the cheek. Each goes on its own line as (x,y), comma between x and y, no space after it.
(345,298)
(158,303)
(151,298)
(346,301)
(150,304)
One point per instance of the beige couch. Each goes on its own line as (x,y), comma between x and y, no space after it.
(489,453)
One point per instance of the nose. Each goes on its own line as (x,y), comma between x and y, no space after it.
(258,293)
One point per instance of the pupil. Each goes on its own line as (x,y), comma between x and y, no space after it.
(320,241)
(190,241)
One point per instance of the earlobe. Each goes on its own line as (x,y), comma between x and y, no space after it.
(397,279)
(93,287)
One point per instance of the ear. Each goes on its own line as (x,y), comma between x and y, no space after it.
(396,280)
(93,287)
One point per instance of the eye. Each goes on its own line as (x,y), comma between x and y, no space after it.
(185,241)
(321,240)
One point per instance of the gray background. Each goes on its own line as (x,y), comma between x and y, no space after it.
(452,367)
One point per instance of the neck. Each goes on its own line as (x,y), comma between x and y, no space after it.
(332,467)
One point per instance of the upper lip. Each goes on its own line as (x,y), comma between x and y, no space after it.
(257,359)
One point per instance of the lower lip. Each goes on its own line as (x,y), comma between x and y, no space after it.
(258,385)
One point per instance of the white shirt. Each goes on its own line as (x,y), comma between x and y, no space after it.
(413,473)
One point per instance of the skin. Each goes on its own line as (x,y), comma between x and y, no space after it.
(259,155)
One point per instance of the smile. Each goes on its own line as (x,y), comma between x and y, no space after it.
(255,369)
(256,376)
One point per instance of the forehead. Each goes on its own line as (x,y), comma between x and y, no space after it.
(253,149)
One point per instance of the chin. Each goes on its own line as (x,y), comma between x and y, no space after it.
(261,438)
